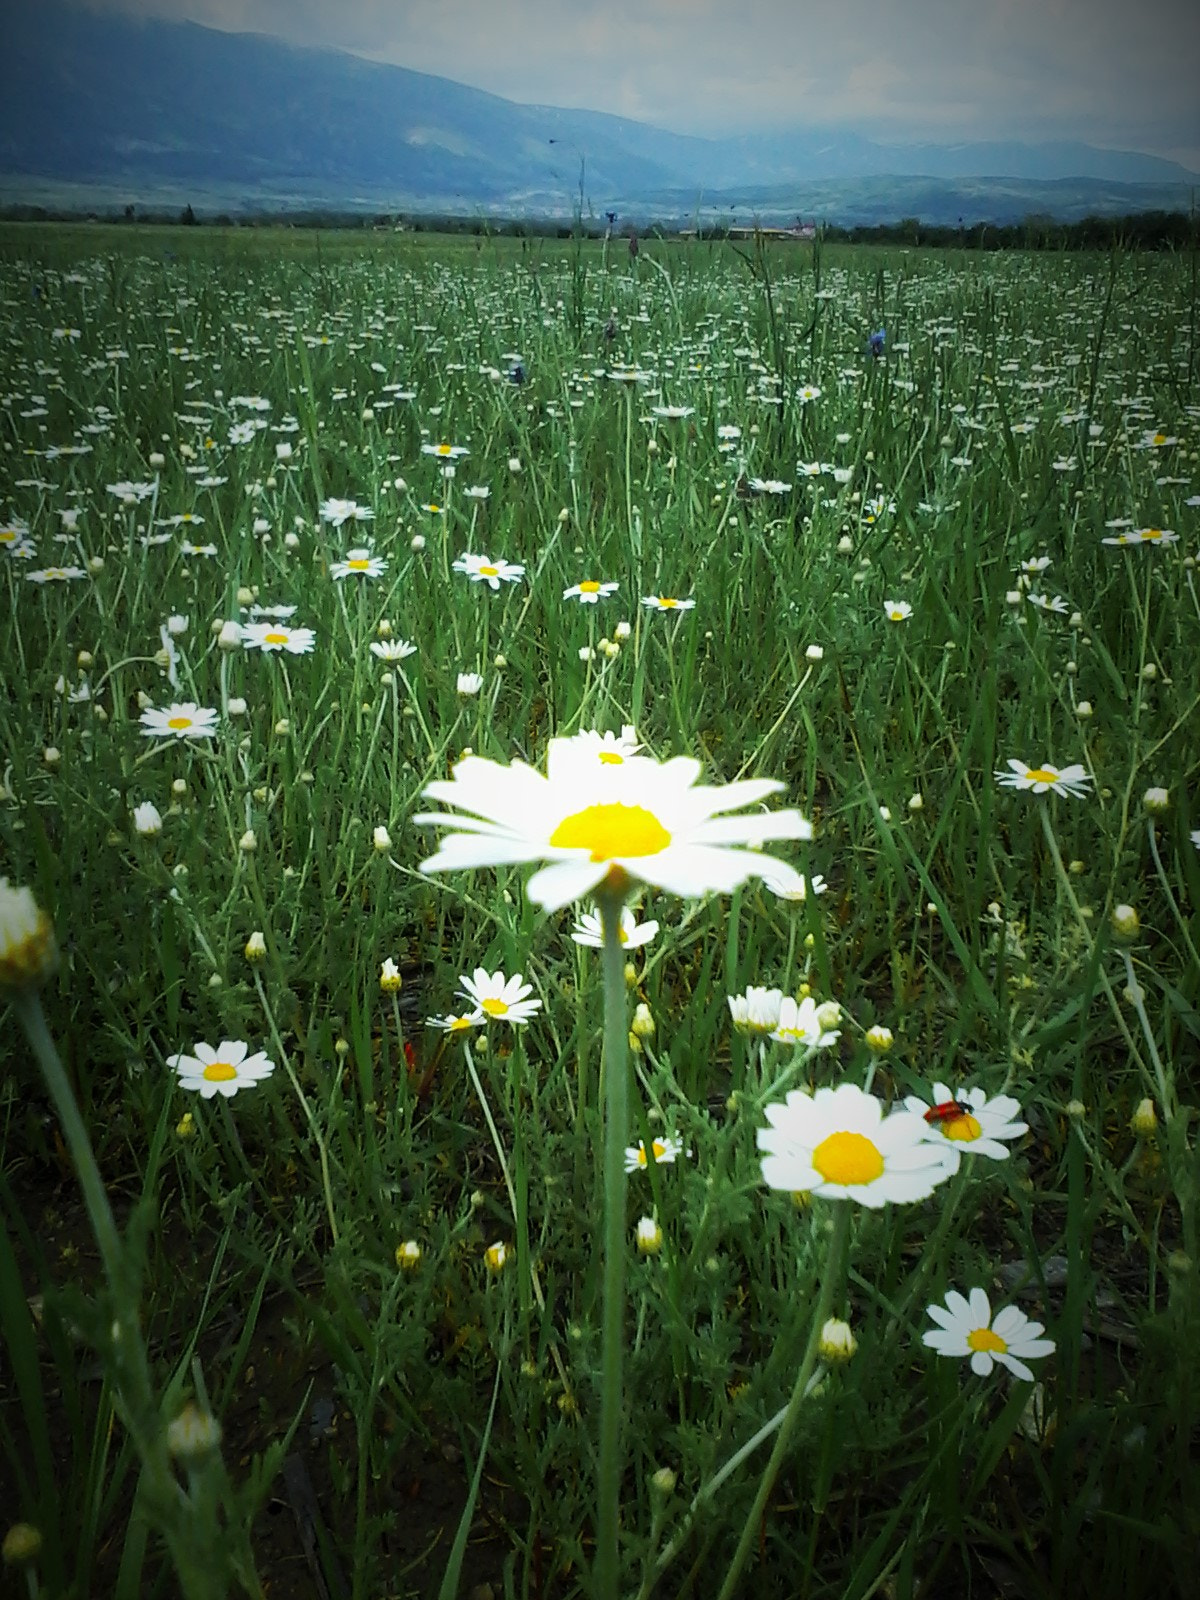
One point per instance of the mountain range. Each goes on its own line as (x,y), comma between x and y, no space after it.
(115,110)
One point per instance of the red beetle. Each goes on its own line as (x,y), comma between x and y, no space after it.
(947,1111)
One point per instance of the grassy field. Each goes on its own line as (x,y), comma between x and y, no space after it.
(356,1298)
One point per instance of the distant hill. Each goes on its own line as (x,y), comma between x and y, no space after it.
(146,111)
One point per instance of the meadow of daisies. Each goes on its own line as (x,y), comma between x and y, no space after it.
(598,927)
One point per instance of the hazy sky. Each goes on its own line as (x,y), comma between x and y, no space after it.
(1112,72)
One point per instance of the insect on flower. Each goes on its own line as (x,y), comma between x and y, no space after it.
(947,1111)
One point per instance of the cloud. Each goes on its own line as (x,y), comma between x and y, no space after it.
(1100,70)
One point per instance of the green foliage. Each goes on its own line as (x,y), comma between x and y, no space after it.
(1007,421)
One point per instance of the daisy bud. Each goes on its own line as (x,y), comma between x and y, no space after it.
(828,1015)
(1083,710)
(52,755)
(230,636)
(248,843)
(1076,868)
(635,1044)
(185,1128)
(642,1026)
(95,564)
(814,653)
(194,1434)
(469,683)
(514,464)
(27,950)
(663,1481)
(586,653)
(146,819)
(236,706)
(1076,619)
(85,659)
(283,727)
(836,1343)
(1149,672)
(417,542)
(1156,801)
(495,1256)
(1144,1120)
(157,459)
(283,451)
(916,802)
(256,946)
(291,541)
(879,1039)
(649,1236)
(630,974)
(1013,597)
(1125,923)
(390,980)
(1076,1110)
(245,596)
(22,1546)
(382,840)
(408,1255)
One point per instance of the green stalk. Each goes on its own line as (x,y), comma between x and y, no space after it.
(616,1117)
(830,1280)
(167,1507)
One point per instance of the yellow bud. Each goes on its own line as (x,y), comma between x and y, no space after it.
(649,1236)
(28,954)
(256,946)
(836,1342)
(879,1039)
(1125,924)
(408,1255)
(22,1545)
(1144,1121)
(495,1256)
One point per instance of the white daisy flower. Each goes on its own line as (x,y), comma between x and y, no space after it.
(393,649)
(498,998)
(799,1024)
(482,569)
(590,591)
(966,1327)
(897,610)
(359,563)
(967,1122)
(592,820)
(186,721)
(666,602)
(1072,780)
(633,934)
(838,1144)
(756,1011)
(336,512)
(223,1070)
(662,1152)
(277,636)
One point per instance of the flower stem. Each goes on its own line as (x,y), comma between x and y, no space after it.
(616,1117)
(831,1278)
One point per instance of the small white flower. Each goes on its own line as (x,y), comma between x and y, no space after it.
(146,819)
(966,1327)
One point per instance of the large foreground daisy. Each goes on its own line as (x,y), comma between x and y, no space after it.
(838,1144)
(594,822)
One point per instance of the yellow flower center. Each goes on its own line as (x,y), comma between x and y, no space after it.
(494,1008)
(1150,535)
(359,564)
(667,604)
(220,1071)
(610,831)
(848,1158)
(179,722)
(985,1339)
(7,536)
(489,572)
(1041,775)
(445,449)
(611,758)
(459,1025)
(589,586)
(1160,438)
(275,638)
(965,1129)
